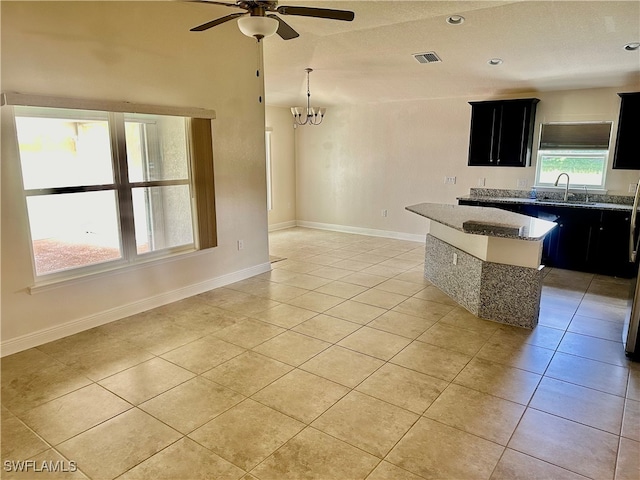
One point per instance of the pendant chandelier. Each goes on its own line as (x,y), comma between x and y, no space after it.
(308,115)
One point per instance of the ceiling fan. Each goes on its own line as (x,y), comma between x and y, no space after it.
(257,22)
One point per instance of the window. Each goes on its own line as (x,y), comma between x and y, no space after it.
(579,149)
(108,188)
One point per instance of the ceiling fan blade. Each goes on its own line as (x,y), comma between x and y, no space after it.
(213,23)
(284,29)
(345,15)
(214,3)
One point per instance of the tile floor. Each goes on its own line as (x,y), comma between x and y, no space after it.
(341,363)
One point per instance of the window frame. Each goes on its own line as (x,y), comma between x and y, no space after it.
(198,129)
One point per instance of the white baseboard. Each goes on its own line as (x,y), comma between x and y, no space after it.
(363,231)
(30,340)
(282,225)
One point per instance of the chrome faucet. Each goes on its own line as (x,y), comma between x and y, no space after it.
(566,188)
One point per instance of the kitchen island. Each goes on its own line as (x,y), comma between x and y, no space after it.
(486,259)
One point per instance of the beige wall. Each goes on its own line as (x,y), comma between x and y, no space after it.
(367,158)
(111,51)
(283,167)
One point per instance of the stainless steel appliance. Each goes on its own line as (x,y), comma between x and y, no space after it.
(630,332)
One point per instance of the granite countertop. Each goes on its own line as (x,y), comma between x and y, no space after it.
(549,202)
(486,221)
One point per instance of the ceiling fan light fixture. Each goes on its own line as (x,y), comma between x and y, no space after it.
(455,19)
(258,27)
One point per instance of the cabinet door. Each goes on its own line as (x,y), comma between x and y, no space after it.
(611,245)
(627,153)
(482,140)
(514,146)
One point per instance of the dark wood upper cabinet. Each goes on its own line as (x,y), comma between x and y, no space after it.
(627,153)
(502,132)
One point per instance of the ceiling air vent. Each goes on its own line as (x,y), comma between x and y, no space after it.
(428,57)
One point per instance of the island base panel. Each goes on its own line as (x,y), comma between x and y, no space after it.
(507,294)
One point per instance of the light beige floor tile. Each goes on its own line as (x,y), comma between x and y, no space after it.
(633,385)
(115,446)
(184,459)
(331,273)
(401,324)
(524,356)
(285,316)
(327,328)
(589,373)
(146,380)
(374,342)
(593,348)
(413,276)
(380,298)
(382,270)
(369,257)
(191,404)
(475,412)
(247,434)
(301,395)
(388,471)
(204,318)
(405,388)
(566,444)
(18,442)
(203,354)
(23,392)
(307,456)
(341,289)
(317,302)
(342,366)
(583,405)
(222,295)
(249,333)
(364,279)
(292,348)
(278,292)
(27,362)
(298,267)
(352,265)
(541,336)
(553,318)
(402,287)
(453,338)
(434,294)
(604,311)
(248,373)
(323,259)
(249,305)
(628,462)
(631,421)
(426,309)
(366,422)
(66,416)
(455,454)
(355,312)
(595,327)
(163,337)
(499,380)
(50,465)
(518,466)
(461,318)
(306,281)
(435,361)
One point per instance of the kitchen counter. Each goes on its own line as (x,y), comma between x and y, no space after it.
(548,202)
(486,259)
(497,223)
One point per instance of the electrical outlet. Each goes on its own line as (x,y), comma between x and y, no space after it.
(632,187)
(455,258)
(385,212)
(240,244)
(522,183)
(450,180)
(482,182)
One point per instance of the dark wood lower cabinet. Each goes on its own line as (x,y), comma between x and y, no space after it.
(586,239)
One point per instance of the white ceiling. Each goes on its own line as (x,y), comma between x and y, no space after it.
(545,45)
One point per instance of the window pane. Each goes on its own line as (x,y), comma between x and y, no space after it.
(156,147)
(583,169)
(62,149)
(162,217)
(73,230)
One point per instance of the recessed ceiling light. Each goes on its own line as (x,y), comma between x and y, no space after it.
(630,47)
(495,61)
(455,19)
